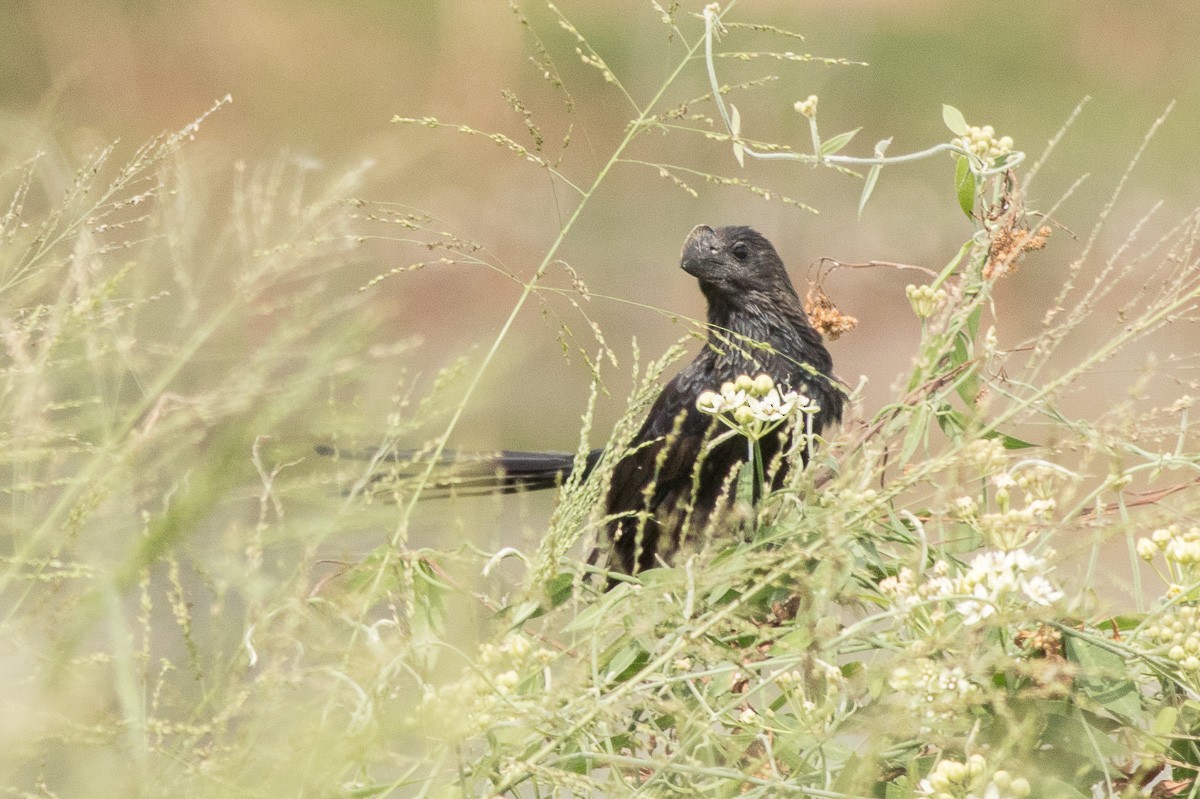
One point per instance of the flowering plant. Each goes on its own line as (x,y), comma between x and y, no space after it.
(753,407)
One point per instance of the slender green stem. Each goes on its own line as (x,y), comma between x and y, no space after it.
(712,21)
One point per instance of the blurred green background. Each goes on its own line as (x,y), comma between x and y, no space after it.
(322,80)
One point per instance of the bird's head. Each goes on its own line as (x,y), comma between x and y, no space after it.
(733,260)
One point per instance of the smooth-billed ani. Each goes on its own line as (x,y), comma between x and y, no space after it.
(756,325)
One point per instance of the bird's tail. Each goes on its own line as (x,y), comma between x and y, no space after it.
(466,474)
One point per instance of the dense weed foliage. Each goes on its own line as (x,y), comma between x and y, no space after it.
(920,612)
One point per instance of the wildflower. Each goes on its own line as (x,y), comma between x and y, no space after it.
(1009,529)
(516,646)
(1040,508)
(732,394)
(964,508)
(952,779)
(1182,404)
(899,585)
(991,341)
(710,402)
(1038,480)
(773,408)
(999,580)
(983,143)
(807,107)
(925,300)
(506,681)
(1177,636)
(987,453)
(933,691)
(755,404)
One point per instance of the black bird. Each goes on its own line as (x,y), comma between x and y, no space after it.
(668,483)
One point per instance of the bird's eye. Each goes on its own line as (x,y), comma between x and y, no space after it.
(741,251)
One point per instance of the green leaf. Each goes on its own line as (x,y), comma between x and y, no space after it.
(795,641)
(873,175)
(954,120)
(627,662)
(1127,622)
(558,589)
(952,422)
(1053,786)
(1012,442)
(1164,722)
(524,612)
(973,322)
(735,126)
(899,788)
(1104,678)
(592,615)
(835,143)
(967,384)
(917,431)
(964,185)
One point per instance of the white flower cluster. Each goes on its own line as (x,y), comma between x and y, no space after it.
(753,405)
(850,501)
(807,107)
(935,693)
(1181,550)
(1177,635)
(903,590)
(987,453)
(1009,527)
(953,779)
(489,694)
(994,582)
(998,581)
(1039,481)
(982,143)
(813,695)
(1177,545)
(907,593)
(1182,404)
(925,300)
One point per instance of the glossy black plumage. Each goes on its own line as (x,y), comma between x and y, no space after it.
(668,483)
(751,303)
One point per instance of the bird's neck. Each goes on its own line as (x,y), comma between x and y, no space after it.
(739,323)
(750,312)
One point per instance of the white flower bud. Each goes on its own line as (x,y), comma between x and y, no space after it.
(807,107)
(710,402)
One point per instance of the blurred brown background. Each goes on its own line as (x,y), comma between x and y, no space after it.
(322,80)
